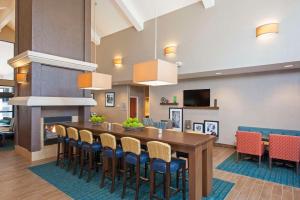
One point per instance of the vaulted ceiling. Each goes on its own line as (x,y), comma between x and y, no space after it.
(7,14)
(113,15)
(116,15)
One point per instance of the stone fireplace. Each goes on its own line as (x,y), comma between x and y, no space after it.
(50,96)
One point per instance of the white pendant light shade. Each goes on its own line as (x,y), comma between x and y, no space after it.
(155,73)
(94,81)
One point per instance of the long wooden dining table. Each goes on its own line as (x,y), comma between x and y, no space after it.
(198,146)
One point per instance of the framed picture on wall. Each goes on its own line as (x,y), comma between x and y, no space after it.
(109,99)
(198,127)
(211,127)
(176,116)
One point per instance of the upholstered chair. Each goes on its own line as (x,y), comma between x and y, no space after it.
(161,162)
(74,145)
(134,156)
(249,143)
(110,151)
(89,150)
(62,144)
(284,147)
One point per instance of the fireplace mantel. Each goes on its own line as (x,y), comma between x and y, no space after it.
(52,101)
(28,57)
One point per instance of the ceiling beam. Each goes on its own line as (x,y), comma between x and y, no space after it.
(7,18)
(95,37)
(131,14)
(208,3)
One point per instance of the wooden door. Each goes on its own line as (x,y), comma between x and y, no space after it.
(133,107)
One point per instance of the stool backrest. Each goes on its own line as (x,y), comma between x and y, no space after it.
(159,150)
(72,133)
(132,145)
(108,140)
(118,125)
(60,131)
(86,136)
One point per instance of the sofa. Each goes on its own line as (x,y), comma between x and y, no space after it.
(267,131)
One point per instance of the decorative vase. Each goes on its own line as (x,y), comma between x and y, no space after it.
(174,99)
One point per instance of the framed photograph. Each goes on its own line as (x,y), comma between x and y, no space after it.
(109,99)
(211,127)
(176,116)
(198,127)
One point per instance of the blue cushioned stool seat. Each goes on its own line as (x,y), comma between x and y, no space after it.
(75,143)
(63,139)
(109,152)
(95,146)
(161,166)
(132,158)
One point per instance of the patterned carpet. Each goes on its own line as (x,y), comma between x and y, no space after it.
(78,188)
(9,146)
(279,174)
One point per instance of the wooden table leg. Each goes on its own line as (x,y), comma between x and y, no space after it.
(207,169)
(195,174)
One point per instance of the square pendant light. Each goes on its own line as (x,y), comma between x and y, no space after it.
(155,73)
(94,81)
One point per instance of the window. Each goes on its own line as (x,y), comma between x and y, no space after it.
(7,52)
(6,110)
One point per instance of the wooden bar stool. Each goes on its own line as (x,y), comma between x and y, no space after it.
(89,149)
(74,144)
(134,156)
(113,152)
(162,162)
(62,141)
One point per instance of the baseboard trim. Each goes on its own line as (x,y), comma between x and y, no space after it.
(224,145)
(48,151)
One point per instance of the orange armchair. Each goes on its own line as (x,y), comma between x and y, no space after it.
(284,147)
(249,143)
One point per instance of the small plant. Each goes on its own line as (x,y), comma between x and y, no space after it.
(96,119)
(132,123)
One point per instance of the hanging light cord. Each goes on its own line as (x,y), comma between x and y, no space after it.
(95,50)
(155,31)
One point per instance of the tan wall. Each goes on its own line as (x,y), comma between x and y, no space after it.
(269,100)
(118,113)
(4,82)
(7,34)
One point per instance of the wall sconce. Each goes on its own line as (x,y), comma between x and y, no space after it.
(267,29)
(21,78)
(170,50)
(117,61)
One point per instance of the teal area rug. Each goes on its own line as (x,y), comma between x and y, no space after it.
(9,146)
(279,174)
(79,189)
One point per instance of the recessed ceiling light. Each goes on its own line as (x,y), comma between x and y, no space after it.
(219,73)
(288,66)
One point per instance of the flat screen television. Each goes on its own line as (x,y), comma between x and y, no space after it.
(196,98)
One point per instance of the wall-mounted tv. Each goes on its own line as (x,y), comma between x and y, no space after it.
(196,98)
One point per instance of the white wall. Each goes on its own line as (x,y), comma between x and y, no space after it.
(270,100)
(222,37)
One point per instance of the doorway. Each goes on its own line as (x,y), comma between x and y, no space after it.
(134,106)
